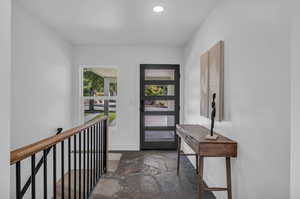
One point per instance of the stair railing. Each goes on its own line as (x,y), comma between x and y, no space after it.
(86,161)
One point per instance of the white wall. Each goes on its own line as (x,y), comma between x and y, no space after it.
(295,105)
(126,136)
(41,80)
(41,86)
(5,69)
(257,95)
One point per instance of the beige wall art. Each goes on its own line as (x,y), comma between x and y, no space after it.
(212,81)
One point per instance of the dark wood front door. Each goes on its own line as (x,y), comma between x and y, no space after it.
(159,105)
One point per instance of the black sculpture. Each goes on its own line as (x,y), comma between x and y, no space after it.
(213,115)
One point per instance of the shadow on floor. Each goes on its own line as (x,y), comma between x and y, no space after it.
(149,175)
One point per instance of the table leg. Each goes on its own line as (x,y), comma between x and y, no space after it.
(228,174)
(200,178)
(178,158)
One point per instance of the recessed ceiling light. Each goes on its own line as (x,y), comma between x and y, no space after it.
(158,9)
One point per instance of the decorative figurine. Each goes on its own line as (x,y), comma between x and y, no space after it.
(213,115)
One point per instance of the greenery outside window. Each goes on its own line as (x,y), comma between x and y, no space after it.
(99,93)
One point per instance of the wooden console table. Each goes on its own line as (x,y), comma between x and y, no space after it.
(194,136)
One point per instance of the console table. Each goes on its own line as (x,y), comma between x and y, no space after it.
(194,136)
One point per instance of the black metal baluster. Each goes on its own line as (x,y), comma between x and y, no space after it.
(80,165)
(100,151)
(97,154)
(75,165)
(18,180)
(45,173)
(105,145)
(101,148)
(98,140)
(94,179)
(88,162)
(62,170)
(69,168)
(101,143)
(33,176)
(91,159)
(84,150)
(94,135)
(54,172)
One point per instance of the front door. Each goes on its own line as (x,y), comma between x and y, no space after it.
(159,105)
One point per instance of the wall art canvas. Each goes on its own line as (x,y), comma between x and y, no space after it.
(212,81)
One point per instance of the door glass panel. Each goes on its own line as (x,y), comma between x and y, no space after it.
(159,105)
(159,136)
(159,74)
(159,120)
(159,90)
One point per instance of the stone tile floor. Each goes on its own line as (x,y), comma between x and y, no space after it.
(113,164)
(149,175)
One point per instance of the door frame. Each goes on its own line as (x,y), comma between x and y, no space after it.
(176,113)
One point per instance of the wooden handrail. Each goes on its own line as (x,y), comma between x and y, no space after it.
(27,151)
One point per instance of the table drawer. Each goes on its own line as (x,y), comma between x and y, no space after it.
(218,150)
